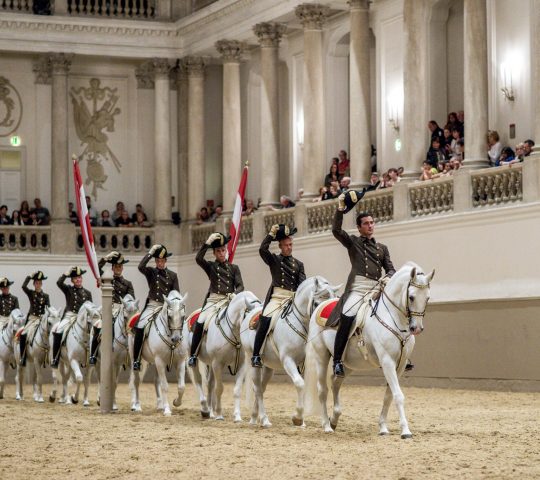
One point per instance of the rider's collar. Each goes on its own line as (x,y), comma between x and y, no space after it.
(366,239)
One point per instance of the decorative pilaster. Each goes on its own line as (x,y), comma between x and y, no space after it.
(313,17)
(42,69)
(195,67)
(269,35)
(231,51)
(182,96)
(145,75)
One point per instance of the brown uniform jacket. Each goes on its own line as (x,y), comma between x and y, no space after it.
(38,300)
(8,303)
(368,259)
(287,272)
(75,297)
(121,286)
(160,282)
(224,277)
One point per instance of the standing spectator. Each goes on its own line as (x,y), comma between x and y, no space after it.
(456,136)
(34,219)
(453,122)
(373,182)
(141,221)
(4,217)
(436,131)
(494,147)
(73,218)
(203,216)
(217,213)
(527,147)
(344,184)
(118,212)
(435,154)
(42,213)
(520,152)
(250,208)
(92,212)
(447,143)
(16,218)
(124,220)
(394,177)
(461,120)
(332,176)
(24,212)
(373,158)
(344,165)
(138,209)
(285,202)
(507,157)
(105,220)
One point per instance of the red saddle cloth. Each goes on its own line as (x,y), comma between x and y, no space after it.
(133,321)
(193,318)
(254,322)
(325,310)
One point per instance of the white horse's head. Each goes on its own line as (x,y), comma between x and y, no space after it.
(175,305)
(241,304)
(131,306)
(409,290)
(17,318)
(312,292)
(89,314)
(53,316)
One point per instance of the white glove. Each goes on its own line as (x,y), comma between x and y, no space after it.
(273,231)
(212,237)
(341,203)
(33,273)
(111,255)
(154,248)
(68,272)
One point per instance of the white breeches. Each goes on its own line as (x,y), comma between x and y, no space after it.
(277,300)
(150,312)
(360,288)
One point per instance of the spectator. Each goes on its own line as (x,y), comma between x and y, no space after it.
(24,212)
(333,190)
(138,209)
(250,208)
(118,212)
(520,151)
(461,119)
(456,165)
(332,176)
(34,219)
(141,221)
(123,220)
(285,202)
(216,213)
(321,197)
(105,220)
(4,217)
(344,165)
(373,182)
(527,147)
(373,158)
(454,123)
(299,194)
(73,218)
(393,176)
(428,171)
(16,218)
(92,212)
(456,136)
(447,143)
(507,157)
(400,171)
(436,131)
(42,213)
(494,147)
(435,154)
(203,216)
(344,184)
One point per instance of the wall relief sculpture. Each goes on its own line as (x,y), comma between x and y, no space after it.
(94,110)
(10,108)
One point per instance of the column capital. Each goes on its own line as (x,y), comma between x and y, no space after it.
(195,66)
(60,63)
(269,33)
(145,75)
(312,15)
(230,50)
(42,69)
(161,66)
(358,4)
(180,74)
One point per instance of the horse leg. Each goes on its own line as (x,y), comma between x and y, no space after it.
(159,392)
(211,384)
(336,387)
(134,382)
(383,428)
(266,375)
(217,368)
(39,379)
(2,378)
(255,379)
(86,382)
(237,392)
(162,377)
(197,380)
(181,368)
(64,373)
(79,378)
(19,381)
(389,369)
(290,367)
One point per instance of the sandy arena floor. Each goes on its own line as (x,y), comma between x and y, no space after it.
(457,434)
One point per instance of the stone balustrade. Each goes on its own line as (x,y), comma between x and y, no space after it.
(431,197)
(497,185)
(25,239)
(285,217)
(17,6)
(128,240)
(320,216)
(380,203)
(128,9)
(199,234)
(246,230)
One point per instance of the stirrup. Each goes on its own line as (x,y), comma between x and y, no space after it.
(339,370)
(54,363)
(192,361)
(256,361)
(137,366)
(409,366)
(92,360)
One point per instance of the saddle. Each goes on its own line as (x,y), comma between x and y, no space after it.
(192,319)
(325,309)
(254,322)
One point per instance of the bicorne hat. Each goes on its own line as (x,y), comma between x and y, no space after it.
(221,241)
(4,282)
(352,197)
(76,272)
(285,231)
(161,252)
(39,275)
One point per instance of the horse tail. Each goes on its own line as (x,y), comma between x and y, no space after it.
(311,395)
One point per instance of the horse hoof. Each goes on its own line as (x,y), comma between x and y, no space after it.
(86,403)
(18,397)
(237,419)
(382,433)
(177,402)
(333,425)
(266,424)
(253,422)
(297,422)
(40,400)
(97,402)
(406,436)
(220,418)
(205,414)
(328,429)
(167,413)
(114,407)
(74,401)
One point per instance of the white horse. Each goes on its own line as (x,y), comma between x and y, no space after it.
(7,334)
(74,355)
(386,341)
(121,357)
(285,345)
(166,346)
(37,350)
(221,347)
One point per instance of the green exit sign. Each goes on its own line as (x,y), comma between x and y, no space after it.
(15,141)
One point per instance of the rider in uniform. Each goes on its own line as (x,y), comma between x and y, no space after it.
(75,295)
(368,259)
(39,301)
(121,287)
(8,302)
(225,281)
(161,282)
(287,275)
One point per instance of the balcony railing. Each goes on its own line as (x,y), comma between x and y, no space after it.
(432,197)
(25,239)
(20,6)
(138,9)
(497,185)
(128,240)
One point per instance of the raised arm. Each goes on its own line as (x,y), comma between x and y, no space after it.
(201,261)
(264,250)
(338,232)
(60,283)
(143,268)
(101,264)
(25,286)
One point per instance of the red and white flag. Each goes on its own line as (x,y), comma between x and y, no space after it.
(236,223)
(84,219)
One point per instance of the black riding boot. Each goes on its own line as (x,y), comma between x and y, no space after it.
(262,330)
(195,342)
(137,348)
(342,337)
(22,345)
(94,345)
(57,344)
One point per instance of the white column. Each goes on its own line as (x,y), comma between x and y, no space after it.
(106,391)
(269,35)
(359,92)
(162,142)
(536,73)
(312,17)
(415,108)
(475,83)
(60,63)
(231,52)
(196,161)
(182,89)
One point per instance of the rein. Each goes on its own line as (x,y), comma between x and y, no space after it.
(166,340)
(234,341)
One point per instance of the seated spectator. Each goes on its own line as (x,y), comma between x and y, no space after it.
(332,176)
(507,157)
(333,190)
(92,212)
(24,212)
(42,212)
(428,171)
(436,131)
(105,220)
(527,147)
(435,154)
(393,176)
(118,212)
(285,202)
(344,165)
(123,220)
(250,208)
(141,221)
(203,216)
(321,197)
(454,123)
(73,218)
(520,152)
(138,209)
(447,143)
(4,217)
(344,184)
(34,219)
(373,182)
(400,171)
(456,137)
(218,211)
(16,218)
(494,147)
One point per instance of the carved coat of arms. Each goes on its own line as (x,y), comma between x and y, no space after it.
(92,120)
(10,108)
